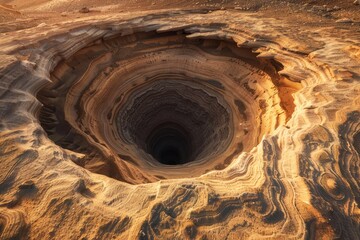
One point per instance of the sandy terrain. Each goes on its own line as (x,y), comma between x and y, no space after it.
(179,120)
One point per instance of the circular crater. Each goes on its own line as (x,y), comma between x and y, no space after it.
(148,106)
(176,121)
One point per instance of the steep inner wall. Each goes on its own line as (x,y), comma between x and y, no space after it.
(164,104)
(179,125)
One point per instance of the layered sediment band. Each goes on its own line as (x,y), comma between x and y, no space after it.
(165,104)
(196,110)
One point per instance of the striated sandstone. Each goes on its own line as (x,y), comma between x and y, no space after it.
(179,125)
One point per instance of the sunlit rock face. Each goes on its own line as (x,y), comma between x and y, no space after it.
(166,105)
(179,125)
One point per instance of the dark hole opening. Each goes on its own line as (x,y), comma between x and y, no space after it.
(170,144)
(170,155)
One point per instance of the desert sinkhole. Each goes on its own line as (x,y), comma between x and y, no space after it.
(179,124)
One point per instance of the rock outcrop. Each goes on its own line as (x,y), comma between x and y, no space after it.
(179,125)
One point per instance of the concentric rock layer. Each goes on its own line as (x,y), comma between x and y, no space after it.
(179,125)
(155,99)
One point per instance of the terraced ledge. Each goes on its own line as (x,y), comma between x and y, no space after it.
(181,125)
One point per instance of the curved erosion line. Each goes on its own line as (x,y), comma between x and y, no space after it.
(168,214)
(87,72)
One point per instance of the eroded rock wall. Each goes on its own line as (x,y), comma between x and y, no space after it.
(270,117)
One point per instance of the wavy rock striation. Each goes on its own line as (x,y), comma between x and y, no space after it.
(179,125)
(135,103)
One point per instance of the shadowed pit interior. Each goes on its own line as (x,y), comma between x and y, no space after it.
(162,101)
